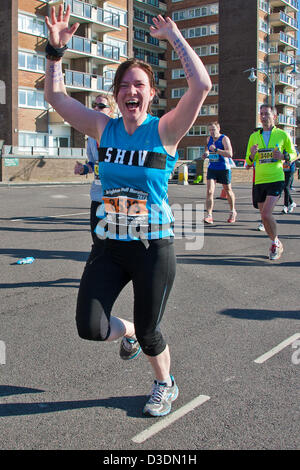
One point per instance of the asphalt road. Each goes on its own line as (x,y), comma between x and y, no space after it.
(229,306)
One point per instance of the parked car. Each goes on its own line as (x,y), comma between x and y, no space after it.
(240,162)
(191,172)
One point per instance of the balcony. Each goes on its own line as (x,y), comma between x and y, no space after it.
(79,81)
(161,6)
(285,120)
(281,58)
(286,100)
(282,19)
(79,46)
(285,79)
(290,4)
(289,41)
(101,19)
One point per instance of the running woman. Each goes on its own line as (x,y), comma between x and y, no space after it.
(219,152)
(137,154)
(268,148)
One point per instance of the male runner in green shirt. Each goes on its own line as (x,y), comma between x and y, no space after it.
(268,148)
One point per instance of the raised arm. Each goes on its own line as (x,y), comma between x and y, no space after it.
(76,114)
(175,124)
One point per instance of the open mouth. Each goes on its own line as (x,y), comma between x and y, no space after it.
(132,104)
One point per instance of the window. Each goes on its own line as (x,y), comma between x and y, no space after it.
(122,45)
(214,89)
(197,12)
(196,131)
(212,69)
(178,73)
(194,152)
(32,62)
(32,99)
(208,110)
(122,14)
(31,139)
(178,92)
(200,31)
(32,25)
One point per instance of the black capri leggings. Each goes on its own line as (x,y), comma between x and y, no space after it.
(111,265)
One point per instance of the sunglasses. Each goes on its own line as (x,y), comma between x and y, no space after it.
(99,105)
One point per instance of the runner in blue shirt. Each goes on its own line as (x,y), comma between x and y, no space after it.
(136,156)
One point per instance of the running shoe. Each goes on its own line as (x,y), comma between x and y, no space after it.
(275,251)
(129,348)
(291,207)
(208,219)
(284,210)
(261,227)
(161,398)
(232,217)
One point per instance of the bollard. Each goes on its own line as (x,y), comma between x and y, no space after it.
(183,175)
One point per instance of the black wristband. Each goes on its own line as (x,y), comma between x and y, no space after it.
(54,54)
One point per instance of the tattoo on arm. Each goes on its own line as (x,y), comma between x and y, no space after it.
(183,56)
(56,73)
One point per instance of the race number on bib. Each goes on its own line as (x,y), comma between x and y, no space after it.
(126,208)
(266,156)
(213,157)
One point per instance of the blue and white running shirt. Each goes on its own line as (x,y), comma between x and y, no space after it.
(134,172)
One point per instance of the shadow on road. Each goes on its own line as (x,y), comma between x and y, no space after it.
(231,260)
(131,404)
(63,282)
(17,253)
(260,314)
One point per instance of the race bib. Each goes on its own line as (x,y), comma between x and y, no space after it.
(266,156)
(213,157)
(126,210)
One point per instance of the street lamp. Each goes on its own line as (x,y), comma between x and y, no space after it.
(252,77)
(271,77)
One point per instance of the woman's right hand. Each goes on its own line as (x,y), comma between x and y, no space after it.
(59,31)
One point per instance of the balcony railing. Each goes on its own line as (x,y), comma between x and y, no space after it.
(286,100)
(287,120)
(94,48)
(287,39)
(86,81)
(93,13)
(287,80)
(291,3)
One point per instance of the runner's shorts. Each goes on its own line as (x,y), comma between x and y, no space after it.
(220,176)
(261,191)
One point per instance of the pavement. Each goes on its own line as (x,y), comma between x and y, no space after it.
(232,324)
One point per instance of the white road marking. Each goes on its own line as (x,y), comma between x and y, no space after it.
(59,196)
(49,216)
(171,418)
(277,349)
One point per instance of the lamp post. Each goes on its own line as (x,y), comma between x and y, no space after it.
(252,78)
(271,75)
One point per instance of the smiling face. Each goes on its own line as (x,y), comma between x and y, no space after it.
(134,95)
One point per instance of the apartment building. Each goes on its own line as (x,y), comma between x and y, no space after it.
(150,49)
(236,40)
(257,65)
(198,20)
(232,37)
(99,45)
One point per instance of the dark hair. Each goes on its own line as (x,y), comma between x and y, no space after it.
(128,64)
(269,106)
(215,123)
